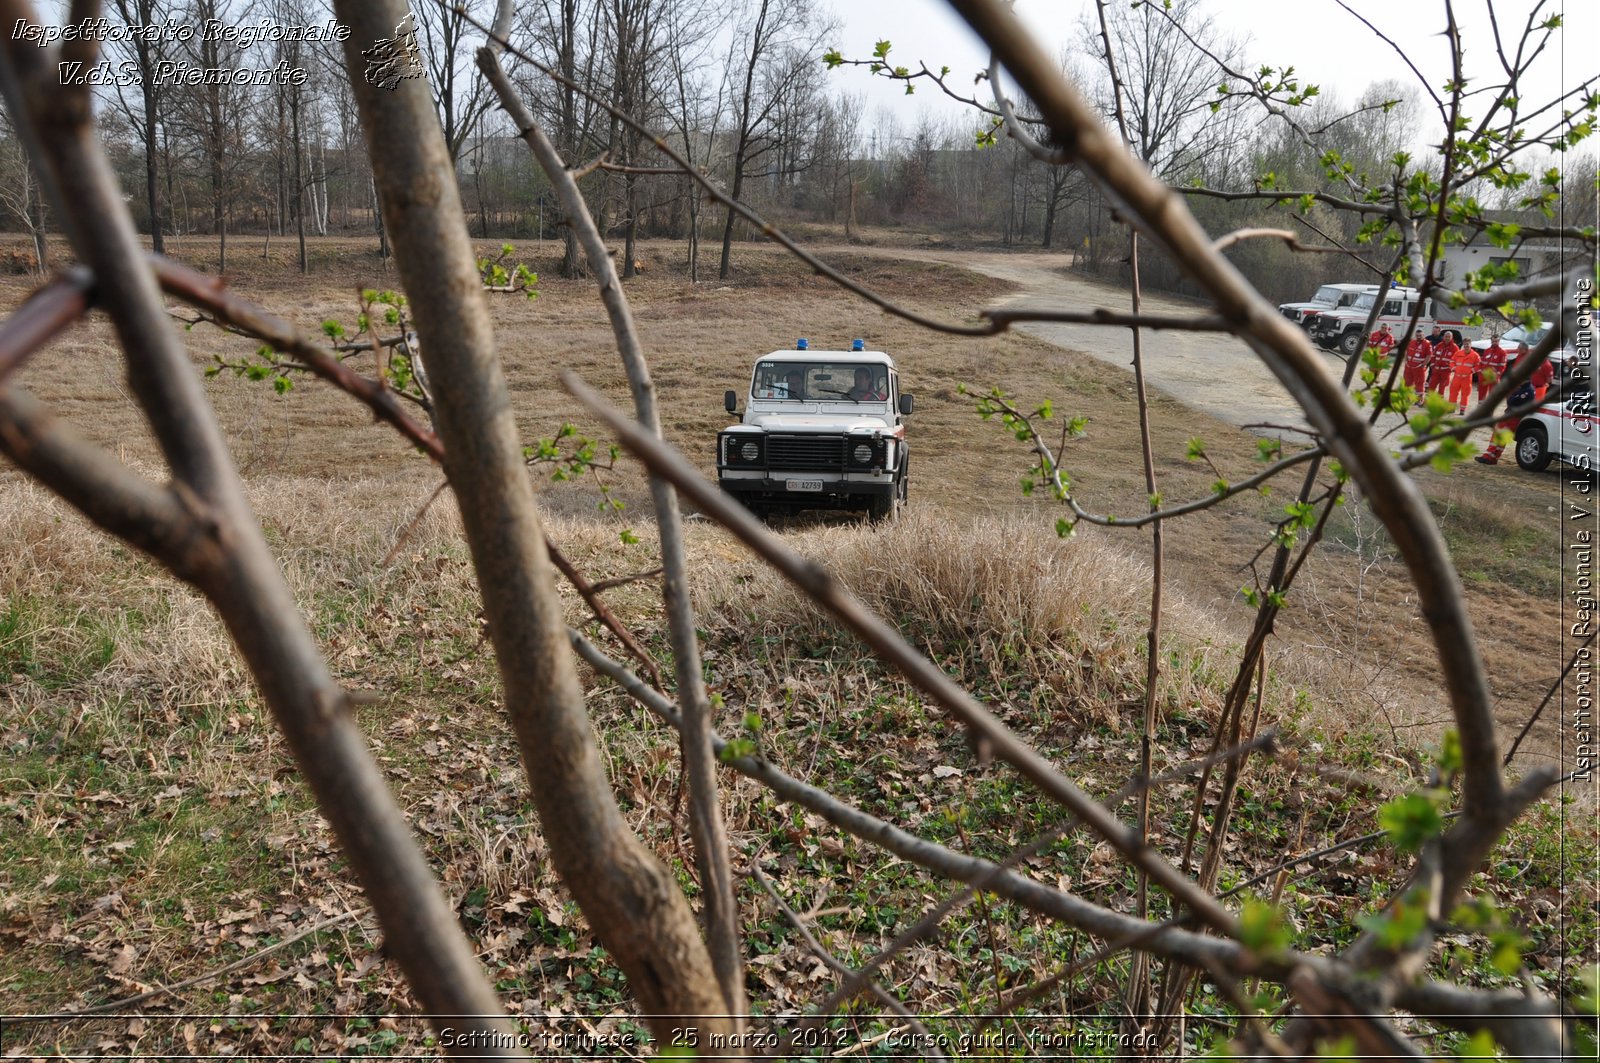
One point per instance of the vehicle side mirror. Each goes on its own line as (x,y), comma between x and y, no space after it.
(730,401)
(906,404)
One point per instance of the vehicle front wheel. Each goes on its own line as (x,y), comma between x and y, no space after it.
(1350,343)
(882,508)
(1533,448)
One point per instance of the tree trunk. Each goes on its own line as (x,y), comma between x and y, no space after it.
(631,230)
(631,900)
(723,267)
(298,201)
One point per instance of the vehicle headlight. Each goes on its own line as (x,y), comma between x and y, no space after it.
(750,451)
(862,455)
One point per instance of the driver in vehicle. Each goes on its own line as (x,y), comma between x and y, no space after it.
(864,391)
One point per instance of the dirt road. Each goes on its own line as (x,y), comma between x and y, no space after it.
(1210,372)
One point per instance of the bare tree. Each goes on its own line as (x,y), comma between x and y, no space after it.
(210,113)
(692,110)
(771,59)
(148,51)
(1169,85)
(461,99)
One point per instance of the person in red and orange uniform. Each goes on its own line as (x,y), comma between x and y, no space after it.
(1382,339)
(1463,363)
(1519,399)
(1493,368)
(1444,356)
(1417,355)
(1542,377)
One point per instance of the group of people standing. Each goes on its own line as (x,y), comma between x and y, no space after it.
(1437,363)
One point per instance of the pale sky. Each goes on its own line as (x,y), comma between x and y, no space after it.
(1325,43)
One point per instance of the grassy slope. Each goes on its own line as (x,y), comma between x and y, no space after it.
(155,828)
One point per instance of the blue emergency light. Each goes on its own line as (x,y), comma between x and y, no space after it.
(801,344)
(858,345)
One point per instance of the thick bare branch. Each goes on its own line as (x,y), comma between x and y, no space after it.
(632,901)
(169,523)
(241,578)
(46,314)
(1529,1027)
(711,842)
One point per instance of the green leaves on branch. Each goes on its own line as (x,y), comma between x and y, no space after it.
(1263,929)
(1402,922)
(573,456)
(1413,819)
(519,278)
(264,365)
(1298,517)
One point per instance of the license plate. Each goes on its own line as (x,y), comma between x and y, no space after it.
(803,485)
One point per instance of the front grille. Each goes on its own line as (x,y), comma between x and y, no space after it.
(805,452)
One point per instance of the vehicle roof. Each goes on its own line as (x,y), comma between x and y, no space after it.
(815,355)
(1348,287)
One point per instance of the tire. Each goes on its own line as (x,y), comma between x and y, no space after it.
(1533,449)
(883,508)
(1350,343)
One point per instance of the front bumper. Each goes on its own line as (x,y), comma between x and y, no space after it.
(835,494)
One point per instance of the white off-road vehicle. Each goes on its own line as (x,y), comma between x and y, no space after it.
(1569,427)
(1328,297)
(1344,330)
(820,430)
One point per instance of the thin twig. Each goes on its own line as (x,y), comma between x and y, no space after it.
(1166,939)
(623,581)
(834,964)
(1579,654)
(1006,316)
(211,294)
(208,976)
(1289,239)
(412,525)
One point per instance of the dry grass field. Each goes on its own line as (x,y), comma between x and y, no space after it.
(154,828)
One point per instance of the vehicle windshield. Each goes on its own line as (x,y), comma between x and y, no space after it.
(1363,302)
(821,381)
(1521,334)
(1327,295)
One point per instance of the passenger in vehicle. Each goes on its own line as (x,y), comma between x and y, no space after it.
(793,386)
(864,390)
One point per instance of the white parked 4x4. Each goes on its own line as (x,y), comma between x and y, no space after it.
(1567,431)
(821,430)
(1328,297)
(1344,330)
